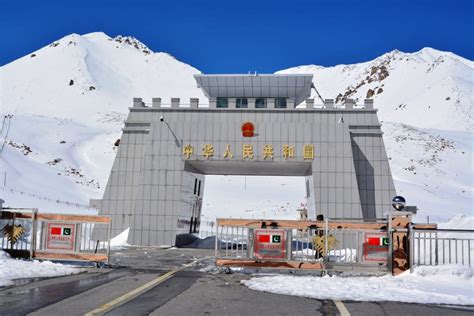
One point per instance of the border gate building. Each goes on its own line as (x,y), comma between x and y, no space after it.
(249,125)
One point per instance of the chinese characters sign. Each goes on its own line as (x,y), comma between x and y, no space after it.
(60,236)
(376,247)
(288,152)
(269,244)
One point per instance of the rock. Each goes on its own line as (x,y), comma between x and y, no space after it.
(379,91)
(71,82)
(370,93)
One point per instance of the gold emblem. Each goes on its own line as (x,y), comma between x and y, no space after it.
(248,129)
(13,232)
(319,244)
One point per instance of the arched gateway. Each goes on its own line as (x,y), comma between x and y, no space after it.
(250,125)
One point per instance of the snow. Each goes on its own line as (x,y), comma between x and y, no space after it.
(449,284)
(120,241)
(12,269)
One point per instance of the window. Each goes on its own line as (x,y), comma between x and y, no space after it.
(280,103)
(222,103)
(241,103)
(260,103)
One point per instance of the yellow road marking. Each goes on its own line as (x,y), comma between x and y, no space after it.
(342,308)
(136,292)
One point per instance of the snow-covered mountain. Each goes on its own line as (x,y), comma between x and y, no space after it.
(428,89)
(69,99)
(91,77)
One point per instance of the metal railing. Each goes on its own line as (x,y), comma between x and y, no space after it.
(232,242)
(431,247)
(87,237)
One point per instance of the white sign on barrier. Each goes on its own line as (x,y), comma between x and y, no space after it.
(269,244)
(61,236)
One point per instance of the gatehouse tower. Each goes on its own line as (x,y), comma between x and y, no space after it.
(248,125)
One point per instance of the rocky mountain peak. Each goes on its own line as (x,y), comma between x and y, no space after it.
(132,41)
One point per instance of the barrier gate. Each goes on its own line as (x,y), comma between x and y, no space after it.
(380,245)
(29,234)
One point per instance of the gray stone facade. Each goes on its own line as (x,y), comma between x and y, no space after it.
(157,180)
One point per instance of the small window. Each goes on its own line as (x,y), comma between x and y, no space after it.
(280,103)
(260,103)
(241,103)
(222,103)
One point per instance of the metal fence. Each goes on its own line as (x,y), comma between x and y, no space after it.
(232,242)
(330,243)
(440,247)
(27,233)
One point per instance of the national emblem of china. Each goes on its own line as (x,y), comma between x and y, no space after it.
(248,129)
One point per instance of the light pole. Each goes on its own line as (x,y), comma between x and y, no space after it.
(176,140)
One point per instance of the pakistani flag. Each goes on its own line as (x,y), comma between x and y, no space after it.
(378,241)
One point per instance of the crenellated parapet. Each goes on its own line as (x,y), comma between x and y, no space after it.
(232,104)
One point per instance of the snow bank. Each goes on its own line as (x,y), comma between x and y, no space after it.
(12,269)
(430,285)
(120,241)
(459,221)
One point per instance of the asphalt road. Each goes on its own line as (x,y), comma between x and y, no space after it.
(147,281)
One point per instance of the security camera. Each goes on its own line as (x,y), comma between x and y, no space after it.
(162,118)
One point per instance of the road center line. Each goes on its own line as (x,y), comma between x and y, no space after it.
(136,292)
(342,308)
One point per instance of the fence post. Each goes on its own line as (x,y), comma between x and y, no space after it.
(411,247)
(326,235)
(109,235)
(33,233)
(289,241)
(217,238)
(390,244)
(13,227)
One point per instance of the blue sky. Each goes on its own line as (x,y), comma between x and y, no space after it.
(239,36)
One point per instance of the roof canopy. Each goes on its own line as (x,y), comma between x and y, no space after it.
(297,87)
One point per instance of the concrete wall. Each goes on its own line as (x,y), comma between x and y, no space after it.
(151,185)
